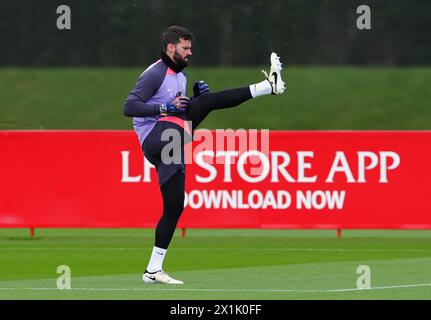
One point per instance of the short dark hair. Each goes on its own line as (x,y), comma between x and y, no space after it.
(174,34)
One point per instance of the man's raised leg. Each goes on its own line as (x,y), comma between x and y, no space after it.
(201,106)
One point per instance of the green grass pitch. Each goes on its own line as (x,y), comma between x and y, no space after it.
(217,264)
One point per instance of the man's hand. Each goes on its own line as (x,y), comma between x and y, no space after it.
(177,105)
(200,87)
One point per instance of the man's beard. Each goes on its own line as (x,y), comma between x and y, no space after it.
(182,63)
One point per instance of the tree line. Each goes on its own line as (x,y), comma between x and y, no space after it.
(127,32)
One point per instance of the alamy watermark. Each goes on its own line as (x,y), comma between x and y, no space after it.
(363,22)
(64,281)
(208,143)
(364,280)
(64,21)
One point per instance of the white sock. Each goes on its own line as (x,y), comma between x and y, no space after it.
(156,260)
(260,89)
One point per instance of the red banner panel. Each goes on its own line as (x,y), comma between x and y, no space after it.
(235,179)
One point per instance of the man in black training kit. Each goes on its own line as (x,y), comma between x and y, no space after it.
(158,103)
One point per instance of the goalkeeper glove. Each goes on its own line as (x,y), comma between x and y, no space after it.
(200,87)
(177,105)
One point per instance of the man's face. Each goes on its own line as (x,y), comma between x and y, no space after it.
(183,50)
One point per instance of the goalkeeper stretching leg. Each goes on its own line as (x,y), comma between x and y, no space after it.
(202,105)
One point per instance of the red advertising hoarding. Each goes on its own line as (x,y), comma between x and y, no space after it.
(235,179)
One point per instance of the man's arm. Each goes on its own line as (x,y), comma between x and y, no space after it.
(146,86)
(134,107)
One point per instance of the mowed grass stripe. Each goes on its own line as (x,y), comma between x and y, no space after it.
(390,280)
(240,260)
(104,254)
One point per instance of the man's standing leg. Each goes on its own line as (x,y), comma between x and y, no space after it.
(172,186)
(173,205)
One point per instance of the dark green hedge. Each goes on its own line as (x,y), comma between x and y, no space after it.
(126,32)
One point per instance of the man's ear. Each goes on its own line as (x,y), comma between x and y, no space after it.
(170,48)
